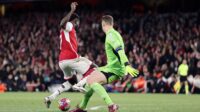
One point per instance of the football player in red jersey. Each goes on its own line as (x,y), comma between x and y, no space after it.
(69,60)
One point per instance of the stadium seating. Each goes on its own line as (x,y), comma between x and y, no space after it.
(155,44)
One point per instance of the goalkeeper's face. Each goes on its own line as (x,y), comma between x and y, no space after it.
(104,26)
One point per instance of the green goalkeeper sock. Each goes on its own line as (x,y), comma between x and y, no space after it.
(86,98)
(99,89)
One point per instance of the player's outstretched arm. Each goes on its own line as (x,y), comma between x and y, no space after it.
(124,60)
(117,46)
(67,17)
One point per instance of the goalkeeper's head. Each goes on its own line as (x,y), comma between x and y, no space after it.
(107,22)
(75,19)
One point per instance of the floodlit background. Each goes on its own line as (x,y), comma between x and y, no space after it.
(158,36)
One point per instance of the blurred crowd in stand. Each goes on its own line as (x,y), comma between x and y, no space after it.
(155,44)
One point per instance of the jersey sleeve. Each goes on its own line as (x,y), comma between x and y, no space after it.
(115,43)
(68,26)
(123,57)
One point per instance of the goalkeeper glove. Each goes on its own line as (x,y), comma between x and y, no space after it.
(132,71)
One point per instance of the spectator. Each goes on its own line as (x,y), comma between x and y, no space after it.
(2,87)
(155,43)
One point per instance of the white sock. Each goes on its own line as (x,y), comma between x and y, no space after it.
(82,82)
(64,87)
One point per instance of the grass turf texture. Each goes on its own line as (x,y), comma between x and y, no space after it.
(33,102)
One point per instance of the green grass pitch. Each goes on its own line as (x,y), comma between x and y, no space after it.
(33,102)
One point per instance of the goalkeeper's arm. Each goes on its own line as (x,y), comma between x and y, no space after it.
(117,47)
(124,61)
(122,56)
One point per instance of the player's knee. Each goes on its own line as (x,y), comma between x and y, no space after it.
(96,77)
(90,80)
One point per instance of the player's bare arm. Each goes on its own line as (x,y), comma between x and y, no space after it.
(67,17)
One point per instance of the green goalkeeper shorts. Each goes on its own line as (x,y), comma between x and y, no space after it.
(111,77)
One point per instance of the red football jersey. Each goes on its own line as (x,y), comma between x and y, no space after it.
(68,43)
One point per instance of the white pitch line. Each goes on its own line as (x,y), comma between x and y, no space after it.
(104,106)
(97,107)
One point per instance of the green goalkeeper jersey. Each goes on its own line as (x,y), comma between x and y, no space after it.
(115,63)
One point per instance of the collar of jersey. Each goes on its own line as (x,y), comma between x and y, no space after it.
(110,30)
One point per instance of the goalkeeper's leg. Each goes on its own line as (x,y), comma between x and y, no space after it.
(95,80)
(86,98)
(82,106)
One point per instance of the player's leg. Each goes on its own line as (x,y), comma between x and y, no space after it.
(71,80)
(180,83)
(80,86)
(179,87)
(64,87)
(84,102)
(95,80)
(86,98)
(82,106)
(186,87)
(84,67)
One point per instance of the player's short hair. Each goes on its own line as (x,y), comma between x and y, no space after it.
(108,19)
(74,16)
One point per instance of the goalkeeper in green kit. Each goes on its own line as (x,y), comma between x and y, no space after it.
(117,66)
